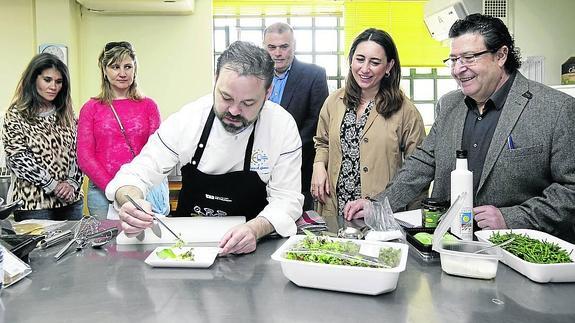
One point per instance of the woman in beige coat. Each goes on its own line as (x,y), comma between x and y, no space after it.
(365,129)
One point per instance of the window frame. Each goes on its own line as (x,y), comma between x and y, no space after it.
(433,75)
(338,53)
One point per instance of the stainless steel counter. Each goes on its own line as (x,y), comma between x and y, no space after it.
(115,285)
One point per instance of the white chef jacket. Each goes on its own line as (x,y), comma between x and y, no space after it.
(276,157)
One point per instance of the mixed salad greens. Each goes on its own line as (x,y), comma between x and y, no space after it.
(321,249)
(532,250)
(175,253)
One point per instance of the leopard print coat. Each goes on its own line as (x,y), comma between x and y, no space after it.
(39,155)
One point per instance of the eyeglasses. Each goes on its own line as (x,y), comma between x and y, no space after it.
(114,44)
(465,60)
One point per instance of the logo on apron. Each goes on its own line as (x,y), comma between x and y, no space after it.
(209,212)
(259,162)
(218,198)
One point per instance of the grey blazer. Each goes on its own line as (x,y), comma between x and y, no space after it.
(533,185)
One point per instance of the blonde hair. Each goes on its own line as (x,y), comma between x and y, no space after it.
(115,52)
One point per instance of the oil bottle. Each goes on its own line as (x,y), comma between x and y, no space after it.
(462,181)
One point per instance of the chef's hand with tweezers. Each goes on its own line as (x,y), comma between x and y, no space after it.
(133,221)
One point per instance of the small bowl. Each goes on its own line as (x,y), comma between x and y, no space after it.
(458,258)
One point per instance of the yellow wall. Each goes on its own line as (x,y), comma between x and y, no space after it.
(403,20)
(174,52)
(18,44)
(542,29)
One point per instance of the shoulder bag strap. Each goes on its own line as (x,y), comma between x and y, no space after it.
(122,130)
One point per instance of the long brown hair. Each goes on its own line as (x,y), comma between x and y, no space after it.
(116,52)
(27,101)
(389,98)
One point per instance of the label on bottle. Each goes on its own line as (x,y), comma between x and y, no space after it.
(466,218)
(430,218)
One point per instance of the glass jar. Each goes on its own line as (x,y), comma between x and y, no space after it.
(431,211)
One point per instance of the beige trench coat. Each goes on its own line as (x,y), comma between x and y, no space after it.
(383,146)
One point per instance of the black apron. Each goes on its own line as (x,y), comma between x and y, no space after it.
(240,193)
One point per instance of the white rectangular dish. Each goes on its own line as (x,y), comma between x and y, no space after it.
(361,280)
(541,273)
(192,230)
(203,258)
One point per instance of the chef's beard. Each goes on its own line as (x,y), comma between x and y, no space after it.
(232,128)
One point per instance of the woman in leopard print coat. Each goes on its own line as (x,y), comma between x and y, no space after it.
(40,143)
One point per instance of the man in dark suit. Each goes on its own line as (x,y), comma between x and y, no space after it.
(301,89)
(519,135)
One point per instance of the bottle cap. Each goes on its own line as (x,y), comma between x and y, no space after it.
(461,154)
(433,202)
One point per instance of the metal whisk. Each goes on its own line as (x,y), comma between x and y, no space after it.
(86,227)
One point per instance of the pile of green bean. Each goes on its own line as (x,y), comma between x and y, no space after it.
(532,250)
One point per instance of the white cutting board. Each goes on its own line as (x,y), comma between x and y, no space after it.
(192,229)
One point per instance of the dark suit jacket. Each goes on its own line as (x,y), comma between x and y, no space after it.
(303,97)
(533,185)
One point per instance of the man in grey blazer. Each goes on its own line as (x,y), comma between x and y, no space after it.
(301,89)
(520,136)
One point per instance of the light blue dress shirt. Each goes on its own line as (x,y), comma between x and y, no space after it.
(278,86)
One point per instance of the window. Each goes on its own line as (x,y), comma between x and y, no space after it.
(424,86)
(319,39)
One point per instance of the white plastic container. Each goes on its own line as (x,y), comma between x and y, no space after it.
(541,273)
(462,181)
(361,280)
(457,257)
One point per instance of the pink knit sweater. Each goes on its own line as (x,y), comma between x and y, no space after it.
(102,149)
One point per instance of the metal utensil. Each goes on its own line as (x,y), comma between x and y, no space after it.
(56,239)
(65,249)
(349,232)
(85,227)
(99,239)
(152,215)
(504,243)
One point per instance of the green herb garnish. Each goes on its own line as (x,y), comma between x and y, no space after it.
(324,250)
(179,243)
(532,250)
(168,253)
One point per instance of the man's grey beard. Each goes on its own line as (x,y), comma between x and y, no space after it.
(233,128)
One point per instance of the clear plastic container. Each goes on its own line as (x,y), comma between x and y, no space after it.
(457,257)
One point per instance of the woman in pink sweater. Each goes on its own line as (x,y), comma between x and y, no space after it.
(102,147)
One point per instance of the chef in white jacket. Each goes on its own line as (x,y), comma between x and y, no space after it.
(241,156)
